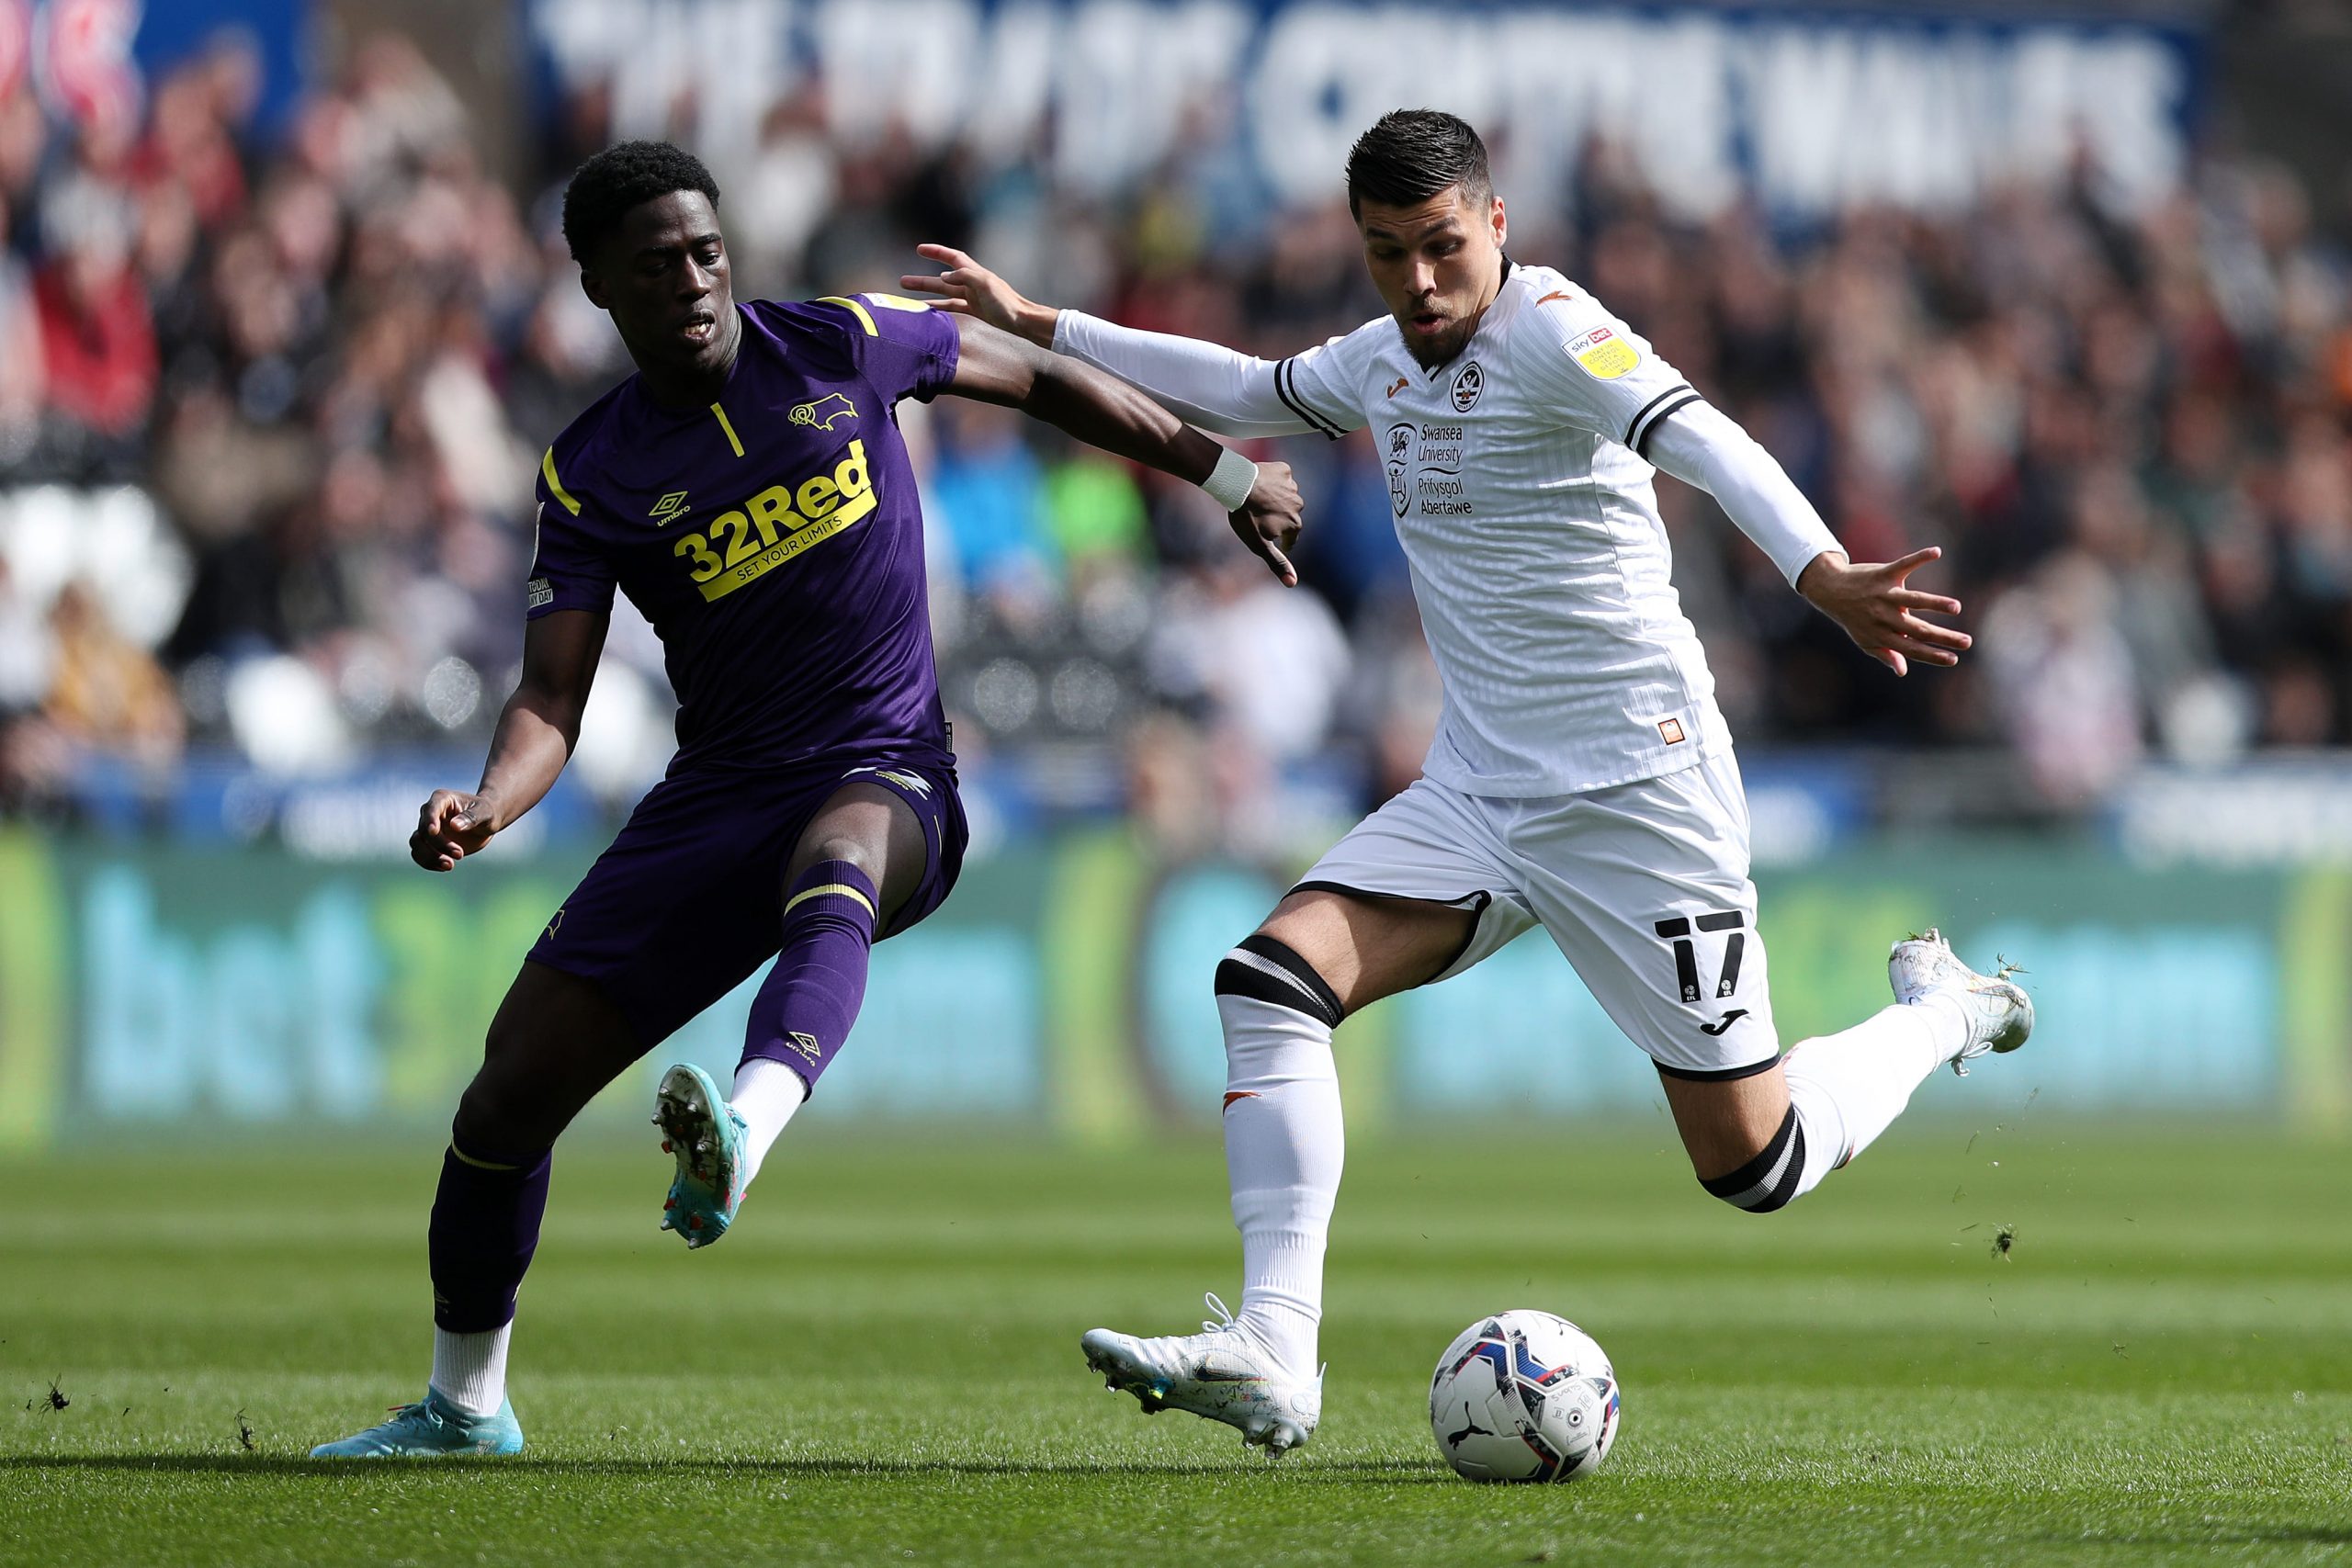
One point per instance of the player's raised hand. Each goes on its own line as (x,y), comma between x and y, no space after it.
(449,827)
(1880,613)
(967,289)
(1270,520)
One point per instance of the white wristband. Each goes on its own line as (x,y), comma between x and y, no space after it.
(1230,482)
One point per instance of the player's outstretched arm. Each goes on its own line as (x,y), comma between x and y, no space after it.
(1207,383)
(1260,500)
(534,739)
(1701,445)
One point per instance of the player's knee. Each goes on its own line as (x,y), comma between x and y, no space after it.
(506,1106)
(842,847)
(1266,969)
(491,1115)
(1766,1183)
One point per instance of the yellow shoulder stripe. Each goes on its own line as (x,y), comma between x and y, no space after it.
(855,308)
(555,485)
(895,302)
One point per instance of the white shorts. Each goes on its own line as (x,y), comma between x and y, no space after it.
(1643,887)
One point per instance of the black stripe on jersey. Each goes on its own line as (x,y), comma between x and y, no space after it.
(1297,404)
(1642,447)
(1634,430)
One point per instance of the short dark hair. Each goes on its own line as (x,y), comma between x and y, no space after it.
(625,175)
(1409,155)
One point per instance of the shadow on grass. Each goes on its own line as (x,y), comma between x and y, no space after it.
(1385,1472)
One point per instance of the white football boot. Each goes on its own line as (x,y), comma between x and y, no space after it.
(1220,1372)
(1999,1013)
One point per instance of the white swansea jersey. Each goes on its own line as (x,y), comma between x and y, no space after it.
(1525,507)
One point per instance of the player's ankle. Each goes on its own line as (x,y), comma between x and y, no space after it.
(469,1369)
(765,1096)
(1947,1018)
(1285,1335)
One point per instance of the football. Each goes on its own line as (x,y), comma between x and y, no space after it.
(1523,1395)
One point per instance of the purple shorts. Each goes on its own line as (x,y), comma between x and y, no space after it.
(689,898)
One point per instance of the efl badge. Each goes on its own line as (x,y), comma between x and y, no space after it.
(1467,386)
(1603,354)
(1671,729)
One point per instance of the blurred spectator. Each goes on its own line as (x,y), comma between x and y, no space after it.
(1262,663)
(2064,680)
(333,360)
(107,695)
(27,650)
(21,372)
(988,484)
(1095,515)
(98,338)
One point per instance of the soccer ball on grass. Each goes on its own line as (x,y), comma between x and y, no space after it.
(1523,1396)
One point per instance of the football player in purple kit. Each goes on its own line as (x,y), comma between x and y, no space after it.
(748,490)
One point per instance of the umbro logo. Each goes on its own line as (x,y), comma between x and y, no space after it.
(806,1045)
(669,509)
(1724,1023)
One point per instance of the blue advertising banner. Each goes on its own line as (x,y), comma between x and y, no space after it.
(1807,111)
(208,992)
(95,61)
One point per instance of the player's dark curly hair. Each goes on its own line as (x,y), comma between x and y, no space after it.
(1409,155)
(625,175)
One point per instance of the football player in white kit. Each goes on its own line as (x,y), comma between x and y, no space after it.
(1581,778)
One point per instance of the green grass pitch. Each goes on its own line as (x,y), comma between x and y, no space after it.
(881,1365)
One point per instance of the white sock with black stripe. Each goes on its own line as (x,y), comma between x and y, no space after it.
(1284,1140)
(1847,1088)
(1844,1090)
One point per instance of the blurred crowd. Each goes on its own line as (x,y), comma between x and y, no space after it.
(331,359)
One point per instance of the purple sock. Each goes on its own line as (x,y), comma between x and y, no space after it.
(485,1227)
(809,1000)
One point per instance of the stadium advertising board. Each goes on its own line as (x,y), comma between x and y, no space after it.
(206,992)
(1810,111)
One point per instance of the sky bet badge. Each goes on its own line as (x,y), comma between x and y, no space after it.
(1603,354)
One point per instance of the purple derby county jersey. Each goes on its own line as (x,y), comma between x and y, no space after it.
(772,537)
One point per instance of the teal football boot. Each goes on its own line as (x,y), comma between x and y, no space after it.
(701,1131)
(432,1428)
